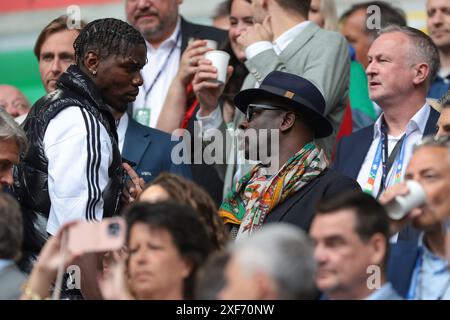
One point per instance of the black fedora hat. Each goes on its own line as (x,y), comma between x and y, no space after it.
(297,93)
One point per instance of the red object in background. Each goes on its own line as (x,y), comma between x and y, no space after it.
(192,106)
(8,6)
(346,126)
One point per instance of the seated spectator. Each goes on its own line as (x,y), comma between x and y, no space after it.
(351,238)
(166,246)
(11,278)
(297,178)
(13,101)
(275,264)
(169,187)
(12,142)
(443,123)
(420,270)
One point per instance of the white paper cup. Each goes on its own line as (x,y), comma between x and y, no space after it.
(219,60)
(398,207)
(211,44)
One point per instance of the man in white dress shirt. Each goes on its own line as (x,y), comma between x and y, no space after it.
(166,34)
(402,63)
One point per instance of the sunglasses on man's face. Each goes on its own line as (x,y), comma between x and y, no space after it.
(253,108)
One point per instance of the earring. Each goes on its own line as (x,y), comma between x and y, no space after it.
(94,73)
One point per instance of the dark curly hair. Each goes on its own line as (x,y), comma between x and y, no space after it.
(108,37)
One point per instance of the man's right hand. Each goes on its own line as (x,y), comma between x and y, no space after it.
(206,89)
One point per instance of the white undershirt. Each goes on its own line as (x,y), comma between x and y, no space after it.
(414,132)
(122,130)
(280,43)
(76,184)
(155,61)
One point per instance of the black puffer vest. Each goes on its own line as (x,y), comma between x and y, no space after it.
(30,176)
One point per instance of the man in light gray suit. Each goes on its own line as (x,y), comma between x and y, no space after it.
(11,229)
(282,39)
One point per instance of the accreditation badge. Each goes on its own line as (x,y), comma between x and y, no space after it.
(142,115)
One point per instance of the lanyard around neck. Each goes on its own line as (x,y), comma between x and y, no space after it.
(158,75)
(382,157)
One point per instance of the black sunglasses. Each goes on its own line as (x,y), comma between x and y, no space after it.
(252,108)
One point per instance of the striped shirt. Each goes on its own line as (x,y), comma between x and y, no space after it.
(79,153)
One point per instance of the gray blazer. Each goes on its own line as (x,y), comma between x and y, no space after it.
(318,55)
(11,280)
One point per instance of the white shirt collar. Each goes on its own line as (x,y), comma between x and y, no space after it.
(168,43)
(122,129)
(418,121)
(286,38)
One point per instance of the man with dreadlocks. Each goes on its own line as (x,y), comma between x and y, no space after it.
(73,168)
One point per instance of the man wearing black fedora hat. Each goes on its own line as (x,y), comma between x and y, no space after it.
(294,107)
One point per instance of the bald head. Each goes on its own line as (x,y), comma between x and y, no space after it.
(13,101)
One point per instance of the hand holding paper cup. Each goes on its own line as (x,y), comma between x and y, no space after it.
(398,207)
(219,59)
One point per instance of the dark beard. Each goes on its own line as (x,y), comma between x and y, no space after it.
(122,108)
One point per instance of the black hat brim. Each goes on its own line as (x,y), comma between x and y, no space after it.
(321,126)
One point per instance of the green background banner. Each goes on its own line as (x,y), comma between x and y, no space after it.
(20,69)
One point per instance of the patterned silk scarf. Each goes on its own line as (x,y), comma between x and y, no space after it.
(255,195)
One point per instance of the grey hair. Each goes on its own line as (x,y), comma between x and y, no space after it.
(423,49)
(283,252)
(433,141)
(9,129)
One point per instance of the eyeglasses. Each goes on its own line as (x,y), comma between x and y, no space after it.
(252,108)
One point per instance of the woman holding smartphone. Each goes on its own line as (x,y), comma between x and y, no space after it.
(166,244)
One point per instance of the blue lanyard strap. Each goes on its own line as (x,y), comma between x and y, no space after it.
(381,157)
(158,75)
